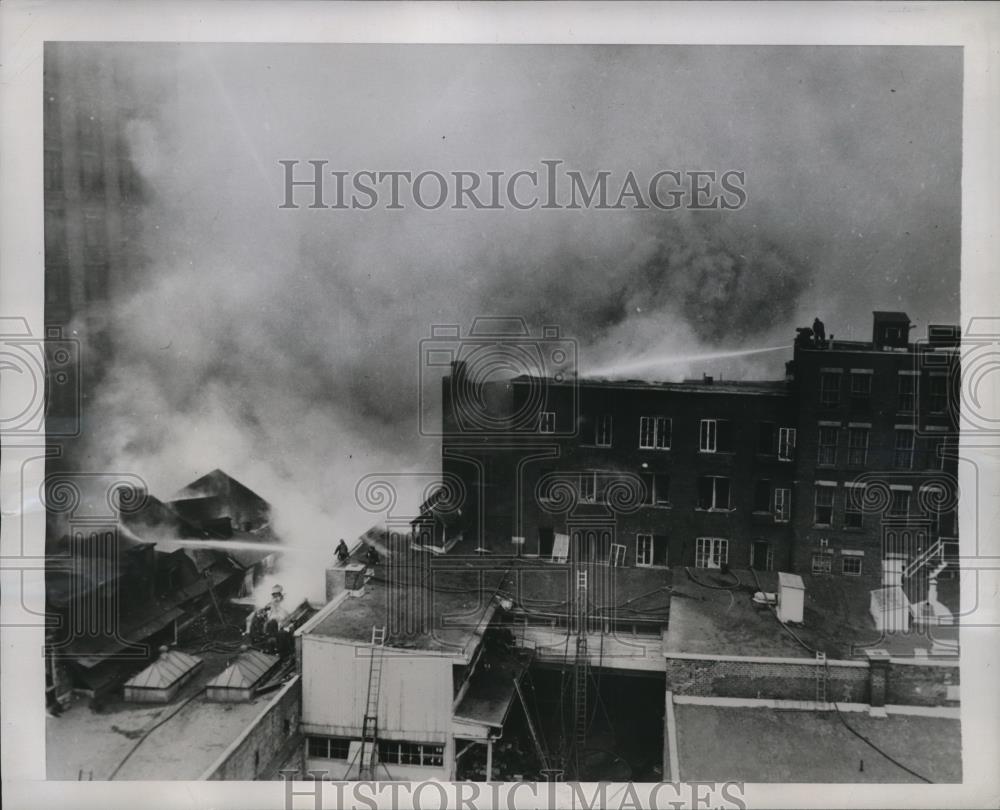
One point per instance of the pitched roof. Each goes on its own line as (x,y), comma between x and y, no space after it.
(885,315)
(166,670)
(245,671)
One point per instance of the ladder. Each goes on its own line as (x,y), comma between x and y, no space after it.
(369,728)
(821,681)
(580,668)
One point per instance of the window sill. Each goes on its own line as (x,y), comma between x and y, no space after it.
(699,509)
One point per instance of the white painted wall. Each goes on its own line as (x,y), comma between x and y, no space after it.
(414,702)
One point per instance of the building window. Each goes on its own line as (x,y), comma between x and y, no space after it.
(762,496)
(657,488)
(547,422)
(328,747)
(765,438)
(409,753)
(786,444)
(616,555)
(588,487)
(852,508)
(829,389)
(822,563)
(900,504)
(715,436)
(714,492)
(827,446)
(651,550)
(823,515)
(907,392)
(654,432)
(782,505)
(711,552)
(861,390)
(937,393)
(857,446)
(602,436)
(851,566)
(761,556)
(903,455)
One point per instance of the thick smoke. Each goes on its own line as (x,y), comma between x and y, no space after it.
(284,346)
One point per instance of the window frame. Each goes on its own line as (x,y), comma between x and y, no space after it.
(898,452)
(715,507)
(853,449)
(904,397)
(643,556)
(656,427)
(784,513)
(826,490)
(707,554)
(547,418)
(937,397)
(787,437)
(826,401)
(604,428)
(708,435)
(830,447)
(852,558)
(826,567)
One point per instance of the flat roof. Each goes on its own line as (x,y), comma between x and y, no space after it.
(712,613)
(95,742)
(452,602)
(722,743)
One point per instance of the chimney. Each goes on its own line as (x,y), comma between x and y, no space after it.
(342,578)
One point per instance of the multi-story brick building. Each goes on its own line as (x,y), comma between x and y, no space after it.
(824,472)
(877,441)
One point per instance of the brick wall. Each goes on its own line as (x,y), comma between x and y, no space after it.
(921,684)
(909,682)
(266,742)
(769,679)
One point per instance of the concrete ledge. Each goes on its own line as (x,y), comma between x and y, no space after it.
(757,659)
(943,712)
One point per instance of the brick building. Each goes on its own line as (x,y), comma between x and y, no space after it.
(816,473)
(877,450)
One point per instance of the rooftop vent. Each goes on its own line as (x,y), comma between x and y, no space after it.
(944,335)
(162,680)
(891,329)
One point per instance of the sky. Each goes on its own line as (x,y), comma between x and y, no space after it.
(284,345)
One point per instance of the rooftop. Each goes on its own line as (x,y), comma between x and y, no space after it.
(717,743)
(191,737)
(455,601)
(769,387)
(713,613)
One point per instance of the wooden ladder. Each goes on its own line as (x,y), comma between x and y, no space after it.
(369,728)
(580,668)
(821,681)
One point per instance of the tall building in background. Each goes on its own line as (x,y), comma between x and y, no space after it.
(847,467)
(93,195)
